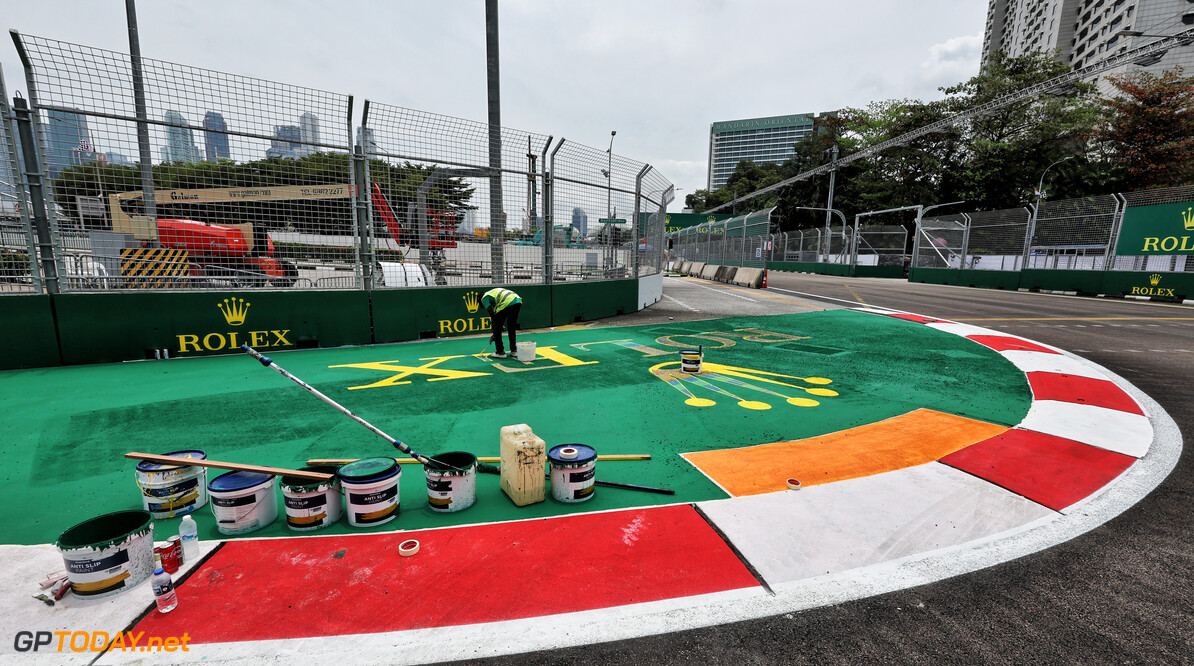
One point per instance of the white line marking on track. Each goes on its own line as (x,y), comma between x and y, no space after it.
(680,303)
(724,291)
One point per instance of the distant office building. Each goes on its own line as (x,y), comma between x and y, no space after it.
(215,137)
(761,140)
(180,140)
(309,133)
(287,142)
(1086,31)
(117,159)
(68,143)
(580,221)
(370,143)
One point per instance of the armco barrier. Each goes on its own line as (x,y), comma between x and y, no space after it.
(46,330)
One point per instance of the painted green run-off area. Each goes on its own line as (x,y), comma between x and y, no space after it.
(70,426)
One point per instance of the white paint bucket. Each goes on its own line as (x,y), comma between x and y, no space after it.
(310,504)
(243,501)
(526,351)
(169,490)
(108,554)
(371,491)
(690,360)
(451,481)
(573,472)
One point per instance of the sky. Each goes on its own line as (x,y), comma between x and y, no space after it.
(658,72)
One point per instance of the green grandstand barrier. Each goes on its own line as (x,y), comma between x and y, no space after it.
(586,301)
(1155,284)
(411,314)
(1087,282)
(840,270)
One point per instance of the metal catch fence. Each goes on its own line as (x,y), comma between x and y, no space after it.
(253,183)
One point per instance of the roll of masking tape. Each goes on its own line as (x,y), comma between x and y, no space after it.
(568,453)
(408,548)
(793,484)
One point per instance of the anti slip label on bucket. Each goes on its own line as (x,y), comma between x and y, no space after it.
(451,481)
(108,554)
(243,501)
(371,491)
(312,505)
(573,472)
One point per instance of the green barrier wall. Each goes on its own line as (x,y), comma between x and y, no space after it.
(1175,286)
(42,330)
(585,301)
(879,271)
(95,328)
(411,314)
(969,278)
(28,337)
(1089,282)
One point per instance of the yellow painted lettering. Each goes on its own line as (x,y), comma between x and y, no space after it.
(670,341)
(404,371)
(756,335)
(1168,246)
(257,338)
(459,326)
(470,325)
(187,341)
(1150,244)
(232,344)
(1186,247)
(486,323)
(445,326)
(207,343)
(279,337)
(553,354)
(1135,291)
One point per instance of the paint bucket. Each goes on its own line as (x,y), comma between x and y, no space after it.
(108,554)
(371,491)
(243,501)
(690,360)
(573,468)
(451,481)
(169,490)
(526,352)
(310,504)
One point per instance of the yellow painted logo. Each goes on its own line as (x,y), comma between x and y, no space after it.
(235,310)
(1154,290)
(1188,218)
(472,301)
(729,381)
(1154,279)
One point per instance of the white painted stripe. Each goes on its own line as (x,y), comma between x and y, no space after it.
(964,329)
(680,303)
(1122,432)
(826,529)
(1030,361)
(723,291)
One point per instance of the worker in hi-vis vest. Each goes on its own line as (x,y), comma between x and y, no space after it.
(503,306)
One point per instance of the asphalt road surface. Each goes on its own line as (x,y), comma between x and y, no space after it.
(1121,593)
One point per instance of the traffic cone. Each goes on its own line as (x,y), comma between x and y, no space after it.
(764,279)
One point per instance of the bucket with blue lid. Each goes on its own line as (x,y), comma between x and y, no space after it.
(243,501)
(573,472)
(169,490)
(371,491)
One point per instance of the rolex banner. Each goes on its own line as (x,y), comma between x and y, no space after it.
(1163,229)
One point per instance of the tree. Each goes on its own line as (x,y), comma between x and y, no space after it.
(1149,129)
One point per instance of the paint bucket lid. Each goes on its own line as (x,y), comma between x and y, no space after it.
(242,480)
(148,466)
(451,461)
(104,531)
(584,453)
(368,470)
(299,484)
(692,352)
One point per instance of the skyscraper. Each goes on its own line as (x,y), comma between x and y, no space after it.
(215,137)
(761,140)
(369,143)
(309,126)
(68,143)
(1086,31)
(286,142)
(180,140)
(580,221)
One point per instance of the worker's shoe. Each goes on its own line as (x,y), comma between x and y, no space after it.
(498,355)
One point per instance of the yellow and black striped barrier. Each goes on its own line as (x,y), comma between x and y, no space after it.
(152,267)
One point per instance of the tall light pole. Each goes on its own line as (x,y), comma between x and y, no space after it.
(1040,196)
(609,174)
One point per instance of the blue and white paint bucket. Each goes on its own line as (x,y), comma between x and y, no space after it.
(169,490)
(371,491)
(573,472)
(243,501)
(312,505)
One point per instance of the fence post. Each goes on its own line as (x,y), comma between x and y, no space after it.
(360,175)
(1029,234)
(965,240)
(634,226)
(37,196)
(1121,209)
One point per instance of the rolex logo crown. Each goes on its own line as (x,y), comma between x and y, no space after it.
(1188,218)
(235,310)
(471,301)
(1154,279)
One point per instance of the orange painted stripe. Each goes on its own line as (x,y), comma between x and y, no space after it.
(918,437)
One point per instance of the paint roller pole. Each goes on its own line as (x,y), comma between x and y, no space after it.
(269,363)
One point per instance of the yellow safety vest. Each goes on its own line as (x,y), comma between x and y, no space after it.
(503,298)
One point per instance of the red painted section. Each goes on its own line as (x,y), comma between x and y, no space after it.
(920,319)
(1048,470)
(1008,343)
(336,585)
(1081,390)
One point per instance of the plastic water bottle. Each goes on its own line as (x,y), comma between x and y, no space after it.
(188,533)
(163,591)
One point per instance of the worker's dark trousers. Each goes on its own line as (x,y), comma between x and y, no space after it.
(509,317)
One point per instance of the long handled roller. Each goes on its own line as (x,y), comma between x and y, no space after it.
(269,363)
